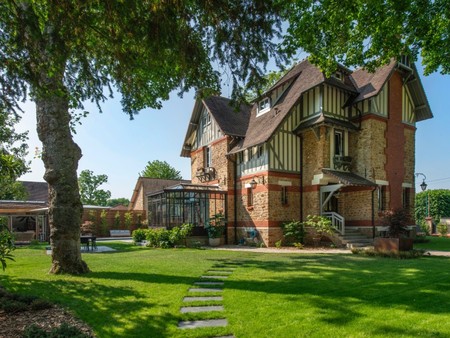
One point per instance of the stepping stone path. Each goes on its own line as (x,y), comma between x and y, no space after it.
(215,284)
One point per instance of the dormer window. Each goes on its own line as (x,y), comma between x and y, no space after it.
(263,106)
(338,75)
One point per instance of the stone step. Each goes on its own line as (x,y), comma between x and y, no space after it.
(224,272)
(214,277)
(205,290)
(208,283)
(202,323)
(202,299)
(211,308)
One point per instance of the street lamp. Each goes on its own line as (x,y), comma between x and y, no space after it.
(423,186)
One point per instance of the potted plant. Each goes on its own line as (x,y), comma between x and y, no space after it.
(396,238)
(321,227)
(215,229)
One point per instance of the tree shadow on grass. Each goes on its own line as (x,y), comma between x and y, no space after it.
(110,310)
(382,282)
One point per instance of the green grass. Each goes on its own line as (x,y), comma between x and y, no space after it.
(138,293)
(435,243)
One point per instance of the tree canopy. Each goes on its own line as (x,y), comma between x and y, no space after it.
(161,169)
(113,202)
(89,188)
(12,190)
(62,53)
(437,201)
(13,147)
(370,32)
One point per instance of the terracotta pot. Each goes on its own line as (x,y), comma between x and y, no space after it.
(214,241)
(393,244)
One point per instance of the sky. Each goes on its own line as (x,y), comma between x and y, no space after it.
(113,145)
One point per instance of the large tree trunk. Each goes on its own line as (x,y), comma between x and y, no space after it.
(61,155)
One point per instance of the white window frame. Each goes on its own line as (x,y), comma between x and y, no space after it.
(263,106)
(208,157)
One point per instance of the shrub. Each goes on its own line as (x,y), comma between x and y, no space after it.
(389,254)
(87,227)
(442,229)
(278,244)
(40,304)
(293,232)
(163,238)
(139,235)
(117,220)
(128,219)
(397,221)
(320,224)
(103,222)
(216,226)
(63,331)
(6,245)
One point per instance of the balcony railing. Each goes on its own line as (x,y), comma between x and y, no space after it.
(342,162)
(206,174)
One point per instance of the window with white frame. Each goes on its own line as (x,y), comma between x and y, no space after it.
(338,143)
(263,106)
(208,157)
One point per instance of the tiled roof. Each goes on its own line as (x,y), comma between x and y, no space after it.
(36,191)
(304,76)
(347,178)
(150,185)
(326,120)
(370,84)
(230,121)
(261,128)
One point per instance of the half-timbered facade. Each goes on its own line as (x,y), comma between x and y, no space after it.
(341,146)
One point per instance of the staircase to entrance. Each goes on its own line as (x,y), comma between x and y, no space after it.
(354,238)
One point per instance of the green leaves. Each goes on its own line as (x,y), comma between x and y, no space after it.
(89,188)
(369,32)
(6,244)
(161,169)
(437,201)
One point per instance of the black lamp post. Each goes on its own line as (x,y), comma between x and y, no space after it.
(423,186)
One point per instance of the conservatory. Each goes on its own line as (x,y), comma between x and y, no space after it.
(186,203)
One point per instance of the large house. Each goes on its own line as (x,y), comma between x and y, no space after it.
(341,146)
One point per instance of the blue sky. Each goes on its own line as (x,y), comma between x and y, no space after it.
(120,148)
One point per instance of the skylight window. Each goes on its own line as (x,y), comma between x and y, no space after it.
(263,106)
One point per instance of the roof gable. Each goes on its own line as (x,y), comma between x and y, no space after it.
(231,122)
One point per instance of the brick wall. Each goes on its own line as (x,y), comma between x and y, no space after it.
(367,148)
(395,143)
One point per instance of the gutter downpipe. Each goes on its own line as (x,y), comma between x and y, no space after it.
(301,178)
(373,212)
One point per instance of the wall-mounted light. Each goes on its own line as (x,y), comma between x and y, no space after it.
(253,183)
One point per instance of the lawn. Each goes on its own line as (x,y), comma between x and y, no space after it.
(435,243)
(138,292)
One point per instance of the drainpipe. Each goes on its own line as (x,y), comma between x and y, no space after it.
(301,178)
(373,212)
(235,201)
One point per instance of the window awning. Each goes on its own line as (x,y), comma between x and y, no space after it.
(349,179)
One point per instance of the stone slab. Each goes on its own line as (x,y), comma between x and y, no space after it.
(215,277)
(188,309)
(205,290)
(202,323)
(202,299)
(208,283)
(220,272)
